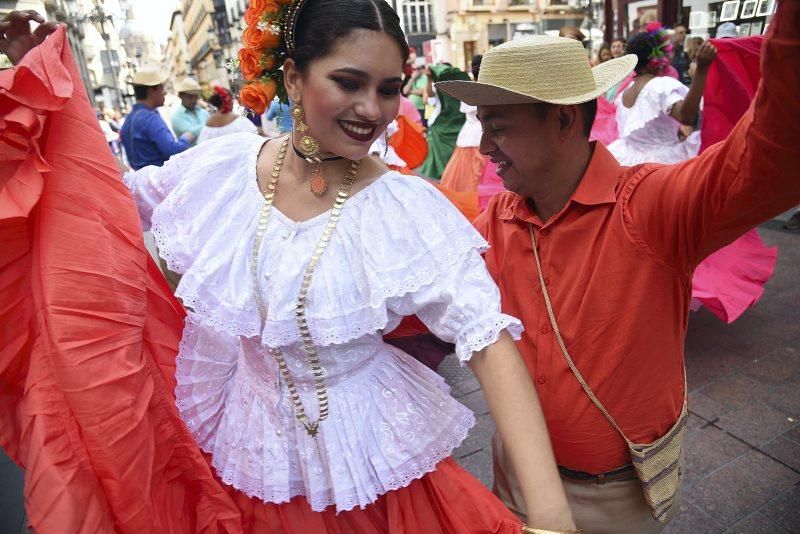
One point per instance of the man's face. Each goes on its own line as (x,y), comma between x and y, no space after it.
(189,100)
(520,138)
(158,94)
(679,36)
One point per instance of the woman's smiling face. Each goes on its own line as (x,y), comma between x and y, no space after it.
(350,95)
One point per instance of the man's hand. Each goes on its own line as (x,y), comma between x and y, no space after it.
(705,56)
(188,137)
(16,38)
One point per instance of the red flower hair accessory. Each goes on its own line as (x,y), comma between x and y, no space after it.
(226,98)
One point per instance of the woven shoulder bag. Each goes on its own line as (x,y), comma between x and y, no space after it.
(658,464)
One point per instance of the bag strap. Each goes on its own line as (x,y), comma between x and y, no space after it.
(563,347)
(565,352)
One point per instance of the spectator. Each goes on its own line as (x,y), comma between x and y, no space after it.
(145,135)
(680,60)
(415,87)
(603,54)
(572,32)
(618,47)
(189,117)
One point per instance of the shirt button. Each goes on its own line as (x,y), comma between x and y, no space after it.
(287,235)
(546,281)
(541,379)
(545,329)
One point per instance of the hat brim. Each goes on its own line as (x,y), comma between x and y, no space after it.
(161,80)
(606,75)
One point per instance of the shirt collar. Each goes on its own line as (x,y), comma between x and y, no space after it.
(598,186)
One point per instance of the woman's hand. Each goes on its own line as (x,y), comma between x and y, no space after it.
(16,37)
(705,56)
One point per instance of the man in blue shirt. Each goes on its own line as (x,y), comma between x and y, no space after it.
(189,117)
(145,135)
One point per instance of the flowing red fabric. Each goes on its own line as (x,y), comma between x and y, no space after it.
(730,86)
(88,342)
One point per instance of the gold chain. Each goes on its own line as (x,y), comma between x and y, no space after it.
(312,427)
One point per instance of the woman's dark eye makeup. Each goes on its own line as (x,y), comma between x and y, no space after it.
(349,84)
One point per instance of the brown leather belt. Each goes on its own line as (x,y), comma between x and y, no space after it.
(623,473)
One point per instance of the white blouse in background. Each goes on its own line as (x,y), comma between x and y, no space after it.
(400,248)
(647,131)
(238,125)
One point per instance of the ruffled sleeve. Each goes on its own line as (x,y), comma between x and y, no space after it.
(150,185)
(168,197)
(656,99)
(428,259)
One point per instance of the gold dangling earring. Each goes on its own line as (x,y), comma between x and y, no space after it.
(309,149)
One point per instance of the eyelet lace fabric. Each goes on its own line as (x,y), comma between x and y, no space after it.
(400,248)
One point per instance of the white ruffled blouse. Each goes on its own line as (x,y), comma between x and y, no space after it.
(400,248)
(647,132)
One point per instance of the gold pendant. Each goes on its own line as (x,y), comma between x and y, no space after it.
(318,184)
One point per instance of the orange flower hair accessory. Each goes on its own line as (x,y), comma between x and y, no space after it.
(267,38)
(258,95)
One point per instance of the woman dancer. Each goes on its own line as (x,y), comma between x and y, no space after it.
(650,112)
(464,170)
(312,423)
(224,121)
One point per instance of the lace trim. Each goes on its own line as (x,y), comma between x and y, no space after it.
(477,336)
(375,489)
(333,330)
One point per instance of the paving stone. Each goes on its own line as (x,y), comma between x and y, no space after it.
(735,391)
(756,524)
(757,423)
(778,366)
(459,377)
(741,487)
(785,450)
(479,437)
(694,422)
(713,364)
(692,520)
(793,434)
(480,465)
(704,406)
(708,449)
(476,402)
(785,510)
(786,398)
(12,509)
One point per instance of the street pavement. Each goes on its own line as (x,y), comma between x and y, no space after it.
(743,444)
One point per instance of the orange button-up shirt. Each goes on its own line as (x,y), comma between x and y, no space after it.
(618,261)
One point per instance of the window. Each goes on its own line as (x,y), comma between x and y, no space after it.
(417,16)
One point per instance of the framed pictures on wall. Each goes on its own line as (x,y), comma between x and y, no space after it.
(756,27)
(765,8)
(744,29)
(698,20)
(730,10)
(749,9)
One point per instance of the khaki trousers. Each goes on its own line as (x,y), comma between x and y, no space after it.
(613,507)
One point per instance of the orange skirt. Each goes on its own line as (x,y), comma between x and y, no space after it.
(88,344)
(464,170)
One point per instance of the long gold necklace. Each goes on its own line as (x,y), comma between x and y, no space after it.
(311,427)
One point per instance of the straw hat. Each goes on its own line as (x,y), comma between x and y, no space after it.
(540,68)
(150,76)
(188,85)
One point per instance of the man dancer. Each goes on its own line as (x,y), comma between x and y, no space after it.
(617,248)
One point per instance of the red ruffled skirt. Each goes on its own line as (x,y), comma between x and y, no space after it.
(88,342)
